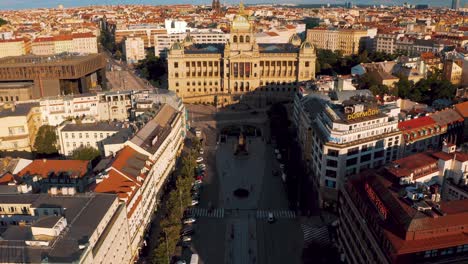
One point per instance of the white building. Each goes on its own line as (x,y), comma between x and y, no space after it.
(141,168)
(91,228)
(100,106)
(72,136)
(162,42)
(175,26)
(340,139)
(134,50)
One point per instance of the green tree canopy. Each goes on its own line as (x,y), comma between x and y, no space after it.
(366,81)
(85,153)
(46,140)
(3,22)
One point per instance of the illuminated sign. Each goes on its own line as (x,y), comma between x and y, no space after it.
(369,112)
(377,202)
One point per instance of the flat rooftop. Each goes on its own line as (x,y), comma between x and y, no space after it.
(52,60)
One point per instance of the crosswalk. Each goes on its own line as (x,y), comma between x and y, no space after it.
(204,212)
(263,214)
(318,235)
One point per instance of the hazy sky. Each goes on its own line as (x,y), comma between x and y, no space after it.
(22,4)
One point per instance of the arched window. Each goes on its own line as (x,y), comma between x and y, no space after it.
(235,86)
(241,39)
(247,86)
(247,39)
(234,39)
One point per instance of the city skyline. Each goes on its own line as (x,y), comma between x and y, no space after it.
(24,4)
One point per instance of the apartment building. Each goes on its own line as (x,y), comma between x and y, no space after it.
(348,41)
(14,47)
(134,50)
(19,126)
(89,228)
(72,135)
(79,42)
(343,135)
(140,169)
(386,42)
(146,33)
(400,214)
(105,106)
(453,71)
(56,176)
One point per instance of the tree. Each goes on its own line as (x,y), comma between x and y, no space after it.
(404,87)
(3,22)
(379,89)
(366,81)
(46,140)
(85,153)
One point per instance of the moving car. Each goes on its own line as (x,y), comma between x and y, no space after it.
(199,159)
(194,202)
(271,217)
(189,220)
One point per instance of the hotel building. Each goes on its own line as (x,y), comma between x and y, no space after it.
(400,214)
(240,69)
(343,135)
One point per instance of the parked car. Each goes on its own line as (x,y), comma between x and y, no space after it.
(189,220)
(186,238)
(198,182)
(271,217)
(201,152)
(195,196)
(199,159)
(181,261)
(281,166)
(187,232)
(202,166)
(194,202)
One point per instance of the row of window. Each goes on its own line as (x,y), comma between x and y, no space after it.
(11,98)
(86,135)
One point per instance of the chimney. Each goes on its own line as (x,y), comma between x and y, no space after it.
(44,160)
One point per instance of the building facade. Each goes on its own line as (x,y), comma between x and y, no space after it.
(19,126)
(14,47)
(134,50)
(221,74)
(72,136)
(399,214)
(342,137)
(62,74)
(91,228)
(348,41)
(140,169)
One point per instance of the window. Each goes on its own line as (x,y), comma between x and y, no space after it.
(330,173)
(176,65)
(353,151)
(333,153)
(330,184)
(366,157)
(351,162)
(332,163)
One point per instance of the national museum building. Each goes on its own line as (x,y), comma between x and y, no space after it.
(240,69)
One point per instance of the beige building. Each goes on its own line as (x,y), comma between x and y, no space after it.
(134,49)
(241,69)
(453,71)
(15,92)
(14,47)
(19,126)
(85,43)
(347,41)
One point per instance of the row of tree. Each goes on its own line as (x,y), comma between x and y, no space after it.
(427,90)
(179,198)
(154,69)
(335,63)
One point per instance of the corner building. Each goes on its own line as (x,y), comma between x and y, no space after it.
(221,73)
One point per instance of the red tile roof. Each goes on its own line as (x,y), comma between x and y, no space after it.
(43,167)
(6,178)
(416,123)
(405,166)
(462,109)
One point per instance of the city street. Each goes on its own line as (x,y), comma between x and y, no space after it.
(236,229)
